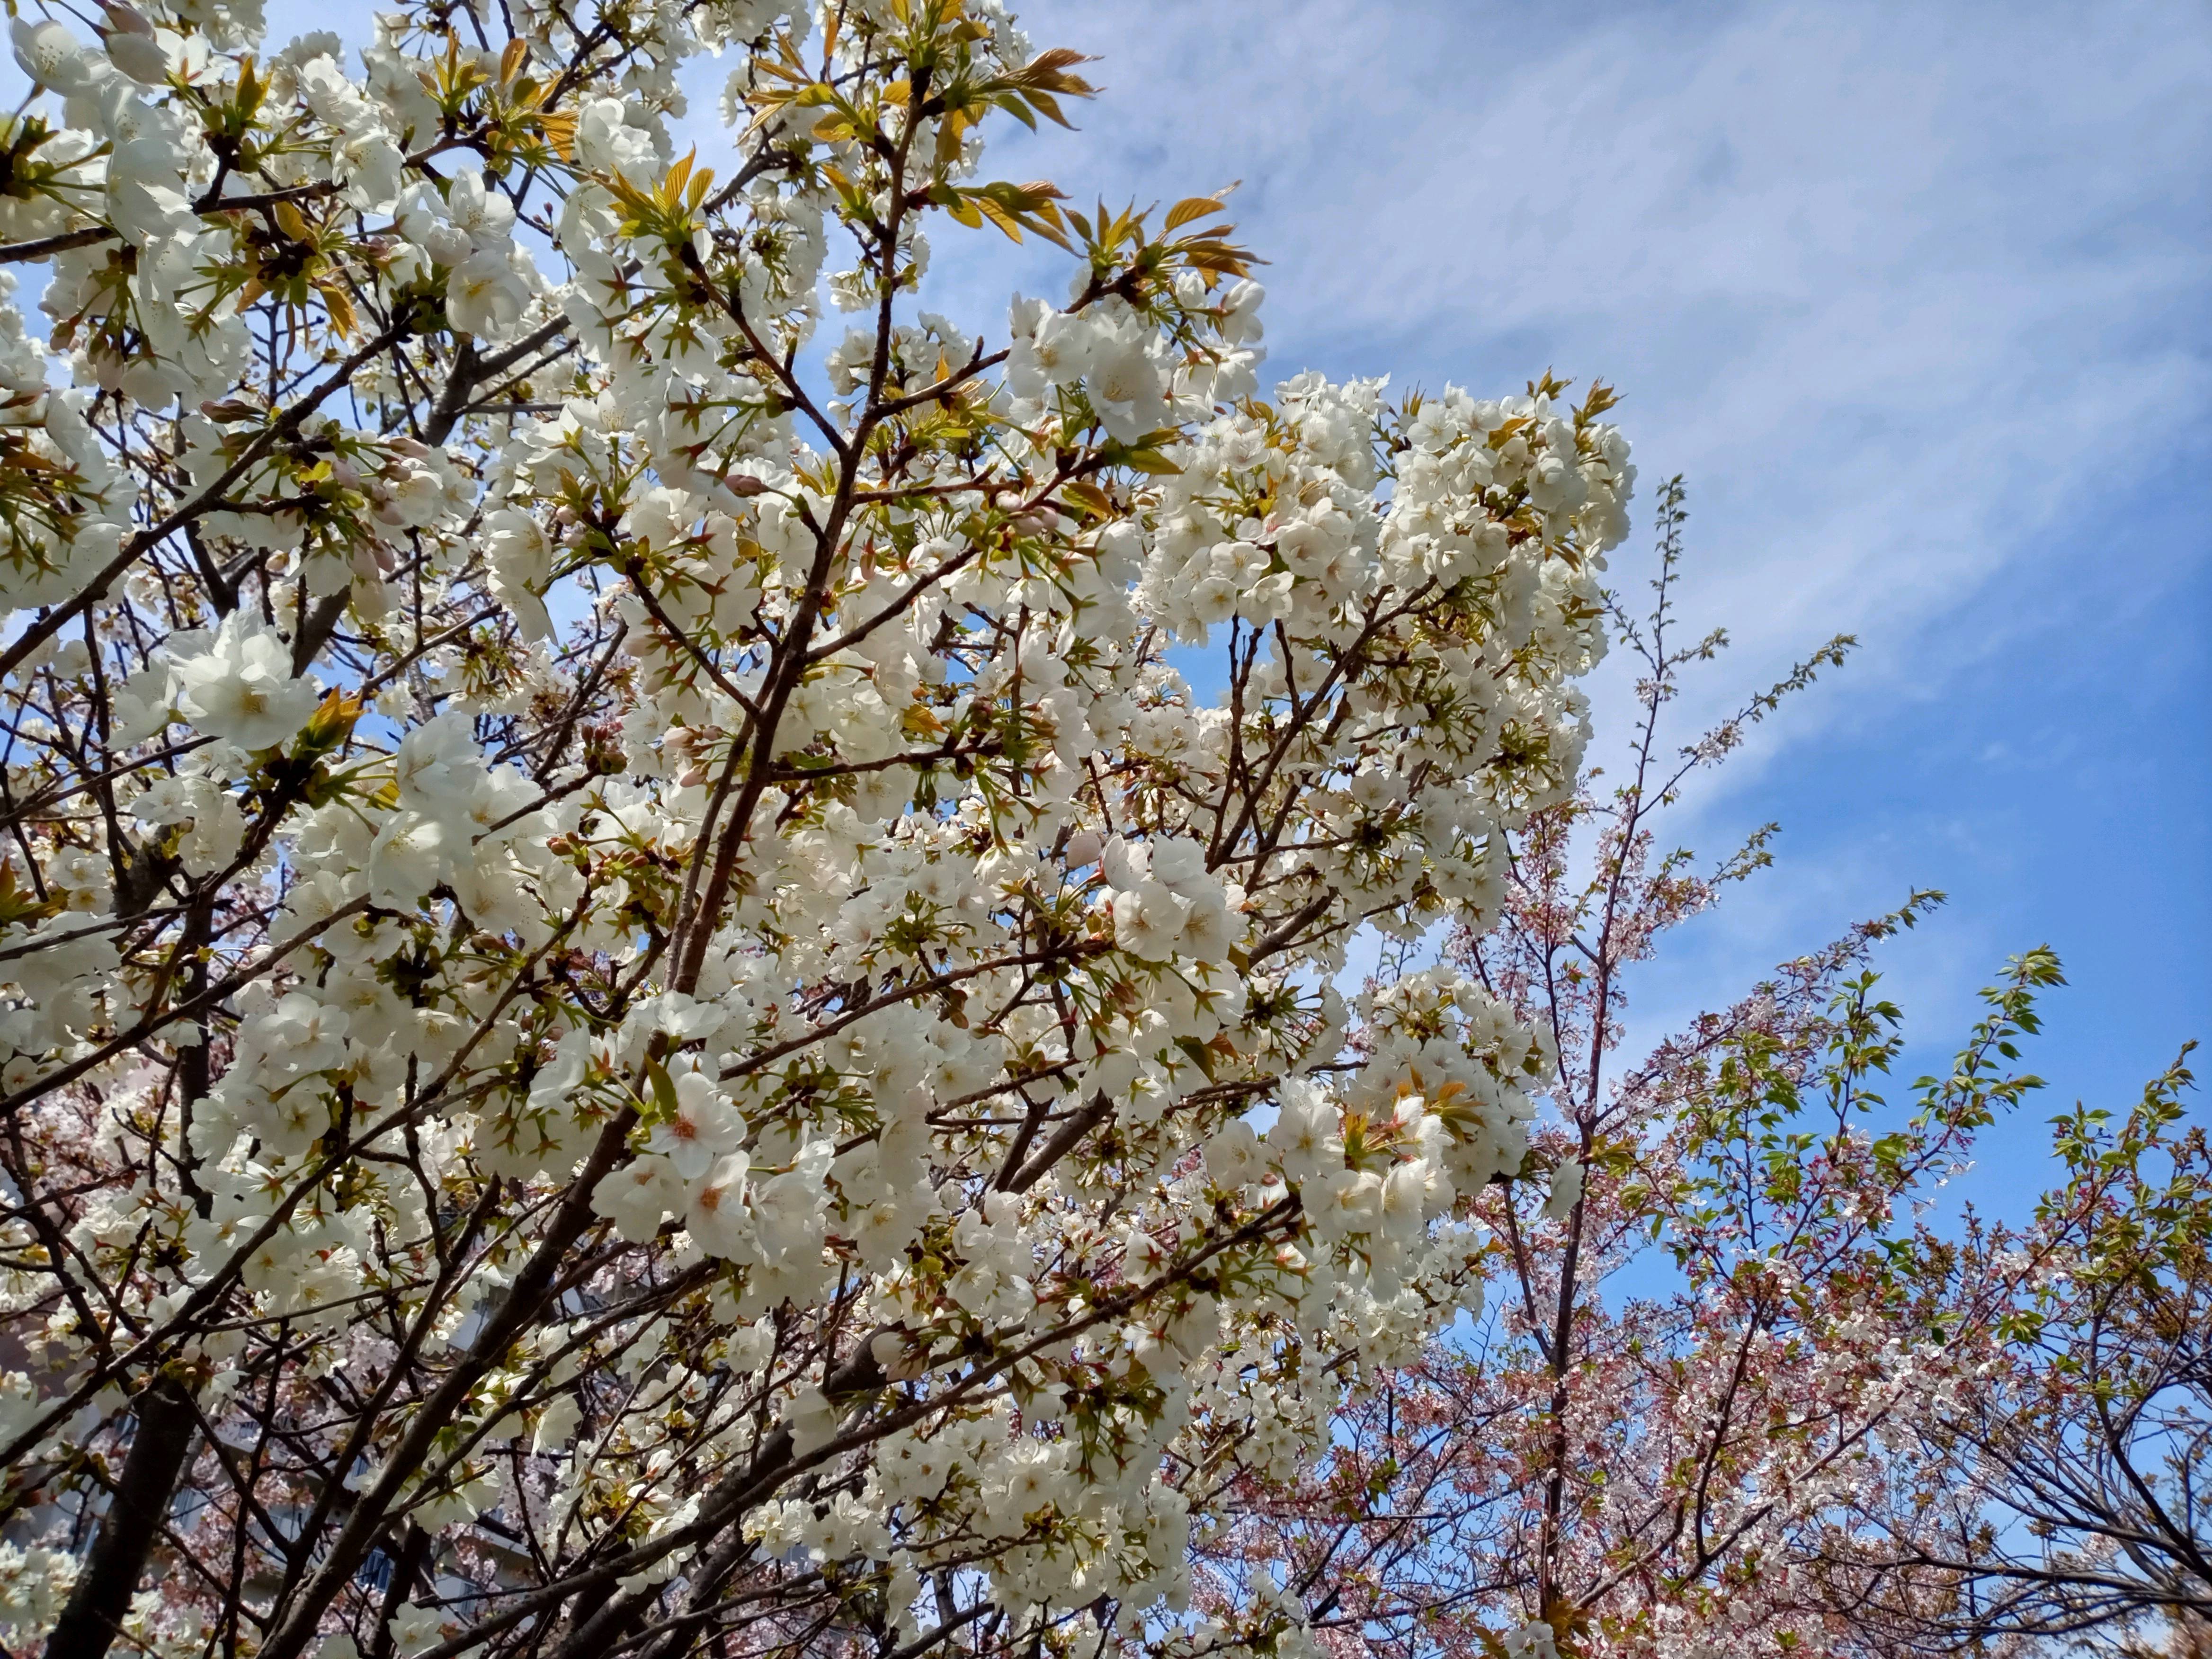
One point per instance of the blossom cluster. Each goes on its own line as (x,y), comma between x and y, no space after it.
(707,1013)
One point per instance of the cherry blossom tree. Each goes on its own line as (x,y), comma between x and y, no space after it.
(2062,1489)
(1736,1392)
(650,1006)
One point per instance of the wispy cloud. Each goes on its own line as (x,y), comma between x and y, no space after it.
(1907,290)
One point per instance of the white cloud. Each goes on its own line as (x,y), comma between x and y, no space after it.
(1910,292)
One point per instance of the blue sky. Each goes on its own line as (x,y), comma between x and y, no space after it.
(1917,298)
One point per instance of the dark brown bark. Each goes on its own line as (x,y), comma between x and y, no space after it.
(134,1512)
(406,1568)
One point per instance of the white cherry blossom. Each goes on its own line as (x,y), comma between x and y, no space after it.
(630,941)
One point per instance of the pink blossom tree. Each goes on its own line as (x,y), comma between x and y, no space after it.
(1734,1392)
